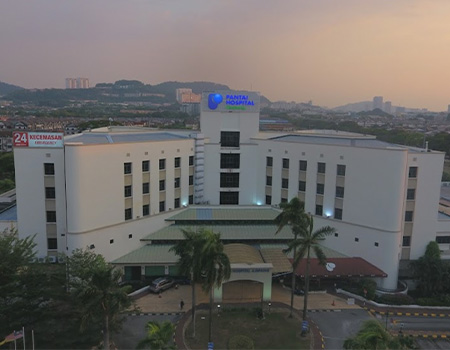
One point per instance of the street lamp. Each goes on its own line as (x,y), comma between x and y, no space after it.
(270,304)
(218,309)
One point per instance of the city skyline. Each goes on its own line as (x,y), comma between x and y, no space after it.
(332,53)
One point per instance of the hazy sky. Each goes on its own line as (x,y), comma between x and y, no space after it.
(330,51)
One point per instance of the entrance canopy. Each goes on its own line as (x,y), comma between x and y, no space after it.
(340,267)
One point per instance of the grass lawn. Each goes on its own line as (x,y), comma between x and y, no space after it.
(276,331)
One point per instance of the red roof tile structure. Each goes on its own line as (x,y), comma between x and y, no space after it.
(340,267)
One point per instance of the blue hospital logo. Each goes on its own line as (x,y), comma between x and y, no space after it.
(214,100)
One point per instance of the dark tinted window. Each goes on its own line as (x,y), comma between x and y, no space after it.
(229,138)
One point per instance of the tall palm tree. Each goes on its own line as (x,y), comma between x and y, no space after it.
(158,336)
(190,261)
(309,240)
(102,297)
(216,268)
(293,215)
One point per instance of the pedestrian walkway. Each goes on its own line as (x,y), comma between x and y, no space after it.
(169,300)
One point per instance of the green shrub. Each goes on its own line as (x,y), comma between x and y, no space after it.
(442,300)
(369,285)
(240,342)
(395,299)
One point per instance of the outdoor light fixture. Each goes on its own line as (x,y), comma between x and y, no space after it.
(218,309)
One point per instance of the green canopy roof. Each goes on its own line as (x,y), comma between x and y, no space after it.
(228,214)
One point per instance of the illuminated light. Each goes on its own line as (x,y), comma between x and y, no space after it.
(328,214)
(258,203)
(184,204)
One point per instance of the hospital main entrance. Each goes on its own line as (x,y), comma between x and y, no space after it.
(242,291)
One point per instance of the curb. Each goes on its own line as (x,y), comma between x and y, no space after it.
(421,314)
(326,310)
(156,314)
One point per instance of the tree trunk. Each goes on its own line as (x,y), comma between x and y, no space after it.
(106,334)
(293,280)
(305,302)
(193,307)
(210,313)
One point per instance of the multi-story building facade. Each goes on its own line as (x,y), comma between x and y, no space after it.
(108,189)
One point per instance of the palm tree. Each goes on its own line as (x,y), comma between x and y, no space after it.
(373,336)
(189,261)
(216,268)
(307,241)
(293,215)
(158,336)
(100,295)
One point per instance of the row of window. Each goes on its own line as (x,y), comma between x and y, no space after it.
(128,167)
(320,188)
(162,207)
(162,186)
(303,166)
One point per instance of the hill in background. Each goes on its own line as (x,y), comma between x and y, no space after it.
(7,88)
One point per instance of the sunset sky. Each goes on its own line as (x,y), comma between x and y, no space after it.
(329,51)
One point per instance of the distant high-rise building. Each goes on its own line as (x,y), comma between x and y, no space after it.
(387,107)
(180,92)
(378,102)
(77,83)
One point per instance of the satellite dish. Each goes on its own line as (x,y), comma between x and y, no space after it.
(330,266)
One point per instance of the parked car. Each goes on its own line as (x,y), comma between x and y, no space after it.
(161,284)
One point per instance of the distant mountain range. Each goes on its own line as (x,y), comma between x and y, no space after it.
(7,88)
(120,91)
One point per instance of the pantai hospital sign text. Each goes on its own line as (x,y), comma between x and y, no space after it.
(38,139)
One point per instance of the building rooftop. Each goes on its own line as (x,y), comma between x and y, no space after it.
(227,232)
(92,138)
(9,214)
(228,214)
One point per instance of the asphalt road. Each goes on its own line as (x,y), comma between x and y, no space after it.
(338,326)
(134,330)
(413,323)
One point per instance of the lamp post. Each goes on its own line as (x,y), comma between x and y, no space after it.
(387,316)
(218,309)
(270,304)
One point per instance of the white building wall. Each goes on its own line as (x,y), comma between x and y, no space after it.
(425,222)
(95,180)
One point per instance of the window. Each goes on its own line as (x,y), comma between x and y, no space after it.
(229,179)
(177,162)
(191,199)
(177,182)
(146,210)
(319,209)
(443,239)
(230,161)
(406,241)
(268,180)
(191,160)
(285,163)
(52,243)
(284,183)
(321,168)
(162,206)
(176,203)
(338,213)
(127,191)
(51,216)
(336,234)
(411,194)
(145,166)
(320,188)
(339,192)
(128,214)
(229,138)
(408,216)
(269,161)
(145,188)
(302,186)
(162,164)
(412,172)
(162,185)
(283,200)
(376,244)
(268,200)
(50,193)
(49,169)
(127,168)
(341,170)
(130,236)
(356,239)
(229,197)
(191,180)
(303,165)
(111,241)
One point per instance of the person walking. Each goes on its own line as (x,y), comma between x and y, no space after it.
(181,304)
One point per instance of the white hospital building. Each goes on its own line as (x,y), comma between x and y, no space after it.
(121,191)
